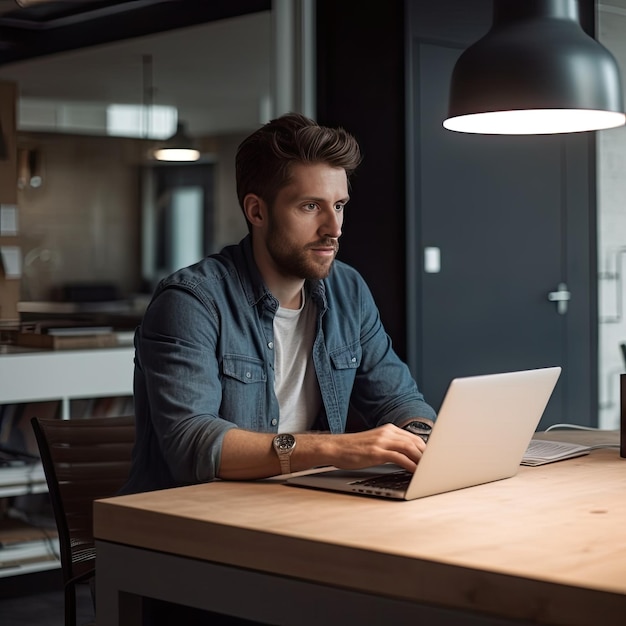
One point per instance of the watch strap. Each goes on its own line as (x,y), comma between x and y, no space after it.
(285,463)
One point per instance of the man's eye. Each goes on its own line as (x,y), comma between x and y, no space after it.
(340,207)
(311,206)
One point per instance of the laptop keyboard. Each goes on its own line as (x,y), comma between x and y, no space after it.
(396,481)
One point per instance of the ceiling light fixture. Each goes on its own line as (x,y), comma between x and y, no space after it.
(535,72)
(179,147)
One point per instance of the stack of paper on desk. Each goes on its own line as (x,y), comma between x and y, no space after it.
(540,452)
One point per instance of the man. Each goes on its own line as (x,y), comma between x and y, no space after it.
(248,361)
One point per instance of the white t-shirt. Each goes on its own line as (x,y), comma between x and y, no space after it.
(295,384)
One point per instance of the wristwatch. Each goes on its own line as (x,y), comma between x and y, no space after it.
(421,429)
(284,445)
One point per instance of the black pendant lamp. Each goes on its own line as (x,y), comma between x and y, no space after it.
(179,147)
(535,72)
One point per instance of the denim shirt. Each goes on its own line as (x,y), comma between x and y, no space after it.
(204,363)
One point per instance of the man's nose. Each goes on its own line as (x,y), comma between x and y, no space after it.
(332,224)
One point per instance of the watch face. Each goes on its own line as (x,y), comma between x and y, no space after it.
(284,442)
(418,427)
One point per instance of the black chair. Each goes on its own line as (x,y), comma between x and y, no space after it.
(83,460)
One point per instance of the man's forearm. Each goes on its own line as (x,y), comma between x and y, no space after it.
(248,455)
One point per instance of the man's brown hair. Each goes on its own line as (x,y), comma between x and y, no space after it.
(264,159)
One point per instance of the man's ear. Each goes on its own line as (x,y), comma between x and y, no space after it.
(254,209)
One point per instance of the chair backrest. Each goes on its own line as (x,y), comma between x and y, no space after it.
(83,460)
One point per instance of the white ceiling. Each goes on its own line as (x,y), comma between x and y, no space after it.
(217,74)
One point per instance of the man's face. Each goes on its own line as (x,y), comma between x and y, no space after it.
(304,224)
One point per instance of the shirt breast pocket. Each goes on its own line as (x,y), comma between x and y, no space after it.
(347,359)
(243,389)
(345,362)
(244,369)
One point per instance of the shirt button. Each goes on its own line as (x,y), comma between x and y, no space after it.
(274,422)
(248,375)
(270,345)
(353,359)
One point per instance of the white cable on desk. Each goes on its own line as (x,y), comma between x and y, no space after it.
(572,426)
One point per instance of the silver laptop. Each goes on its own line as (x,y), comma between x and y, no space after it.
(481,434)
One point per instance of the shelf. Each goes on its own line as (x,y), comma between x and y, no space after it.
(25,547)
(30,568)
(9,491)
(64,384)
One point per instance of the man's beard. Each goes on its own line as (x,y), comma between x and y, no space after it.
(293,261)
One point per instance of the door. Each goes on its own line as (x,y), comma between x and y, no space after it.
(177,228)
(500,242)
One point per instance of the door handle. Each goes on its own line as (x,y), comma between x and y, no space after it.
(561,296)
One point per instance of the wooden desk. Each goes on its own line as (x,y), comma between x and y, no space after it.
(547,546)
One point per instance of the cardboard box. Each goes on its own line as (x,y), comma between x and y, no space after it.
(10,249)
(10,279)
(9,298)
(8,120)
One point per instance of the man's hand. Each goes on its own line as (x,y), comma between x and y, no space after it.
(384,444)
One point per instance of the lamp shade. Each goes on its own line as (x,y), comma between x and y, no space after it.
(535,72)
(179,147)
